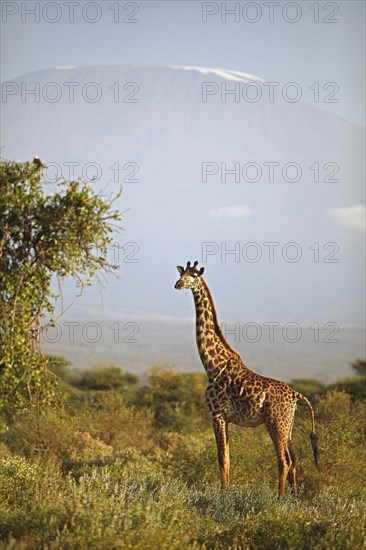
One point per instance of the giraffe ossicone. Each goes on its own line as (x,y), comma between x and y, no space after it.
(237,395)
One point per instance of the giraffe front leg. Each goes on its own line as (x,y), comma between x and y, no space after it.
(220,427)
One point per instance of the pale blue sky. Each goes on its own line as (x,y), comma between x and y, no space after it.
(172,33)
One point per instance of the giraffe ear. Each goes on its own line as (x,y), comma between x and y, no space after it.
(200,272)
(180,269)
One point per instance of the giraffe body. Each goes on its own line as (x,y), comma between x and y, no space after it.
(237,395)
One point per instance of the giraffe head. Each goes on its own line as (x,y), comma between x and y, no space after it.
(189,277)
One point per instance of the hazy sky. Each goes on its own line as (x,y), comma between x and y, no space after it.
(259,38)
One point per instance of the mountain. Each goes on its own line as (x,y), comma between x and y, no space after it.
(165,129)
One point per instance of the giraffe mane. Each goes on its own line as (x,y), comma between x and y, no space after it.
(217,328)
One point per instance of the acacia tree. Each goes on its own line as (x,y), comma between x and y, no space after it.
(42,235)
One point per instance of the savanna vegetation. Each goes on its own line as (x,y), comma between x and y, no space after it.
(131,463)
(102,459)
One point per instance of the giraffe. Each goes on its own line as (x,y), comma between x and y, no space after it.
(237,395)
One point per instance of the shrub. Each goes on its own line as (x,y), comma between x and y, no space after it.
(177,400)
(359,365)
(105,423)
(104,377)
(308,386)
(18,481)
(353,385)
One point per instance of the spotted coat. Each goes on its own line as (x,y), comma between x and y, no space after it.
(237,395)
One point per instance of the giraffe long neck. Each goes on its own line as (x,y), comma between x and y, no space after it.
(214,350)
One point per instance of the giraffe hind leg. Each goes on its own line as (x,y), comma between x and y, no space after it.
(280,442)
(292,470)
(284,465)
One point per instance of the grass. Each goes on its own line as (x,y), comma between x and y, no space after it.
(108,507)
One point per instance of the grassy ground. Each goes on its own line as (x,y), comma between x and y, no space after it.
(105,474)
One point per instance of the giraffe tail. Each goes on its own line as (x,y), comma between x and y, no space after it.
(313,435)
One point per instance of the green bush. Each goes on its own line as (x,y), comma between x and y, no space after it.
(177,400)
(353,385)
(359,365)
(102,424)
(18,481)
(104,377)
(308,386)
